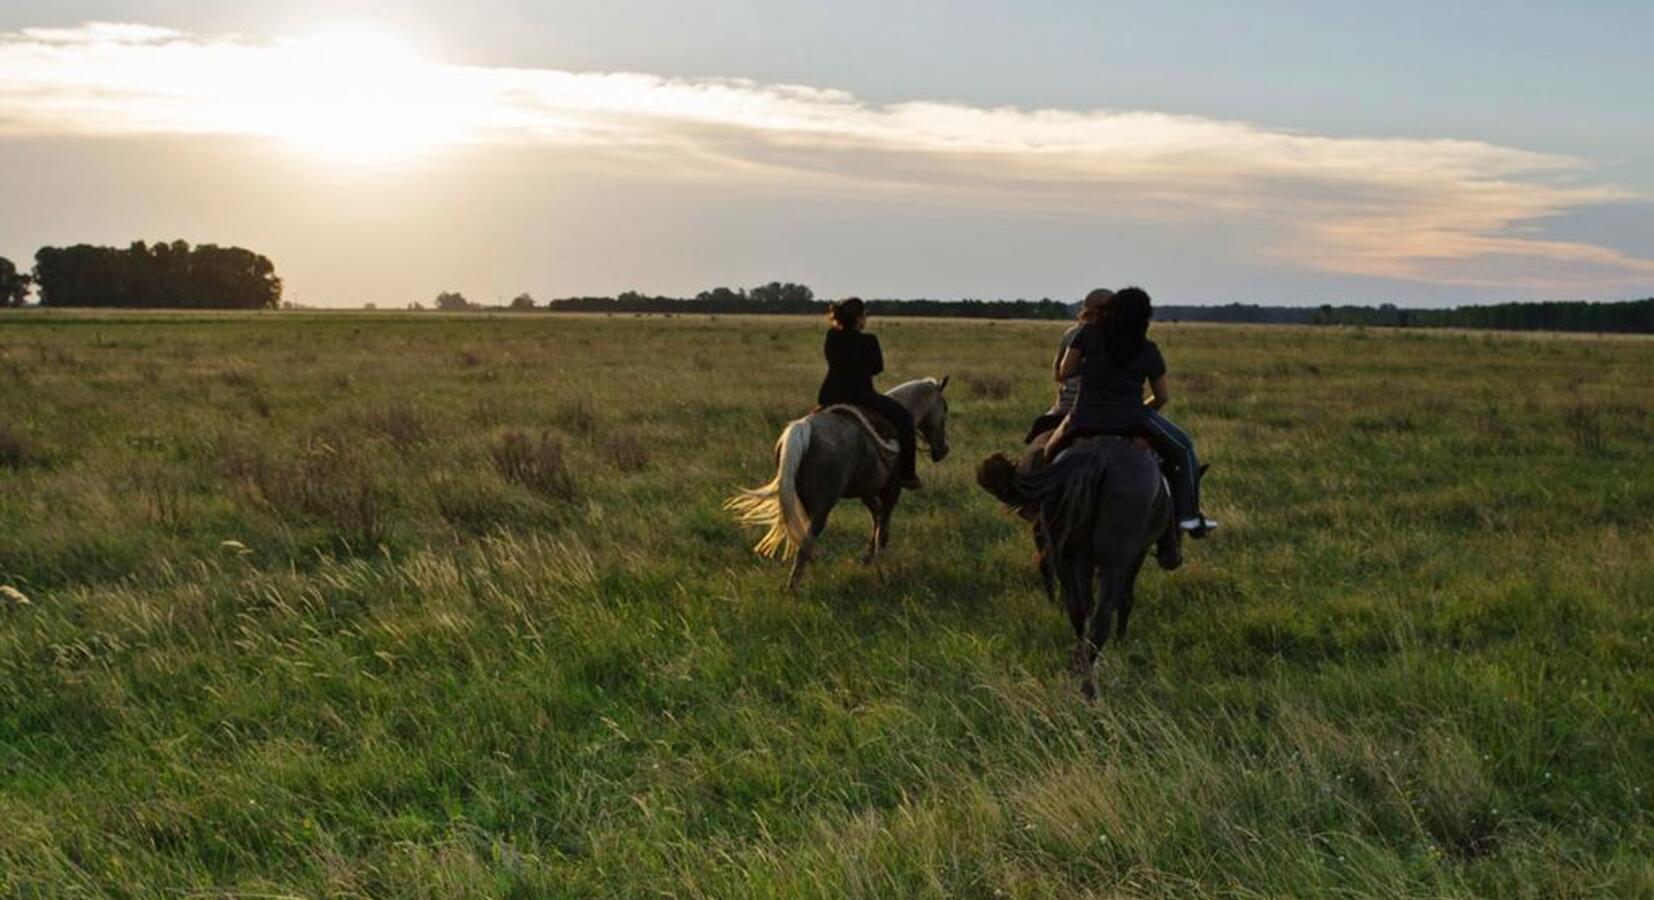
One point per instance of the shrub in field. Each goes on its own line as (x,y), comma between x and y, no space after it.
(16,369)
(988,386)
(166,500)
(476,503)
(399,422)
(239,378)
(14,450)
(539,465)
(488,412)
(578,418)
(1584,424)
(330,480)
(627,450)
(260,404)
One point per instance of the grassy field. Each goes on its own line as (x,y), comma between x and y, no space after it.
(422,605)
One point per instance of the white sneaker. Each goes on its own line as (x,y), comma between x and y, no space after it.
(1197,523)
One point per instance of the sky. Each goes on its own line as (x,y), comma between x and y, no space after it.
(1271,152)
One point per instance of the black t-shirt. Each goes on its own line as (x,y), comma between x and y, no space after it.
(1112,394)
(853,358)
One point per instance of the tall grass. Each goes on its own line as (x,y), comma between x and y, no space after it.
(471,622)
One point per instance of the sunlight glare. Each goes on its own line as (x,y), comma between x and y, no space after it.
(354,94)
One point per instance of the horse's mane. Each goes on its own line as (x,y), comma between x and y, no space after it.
(915,383)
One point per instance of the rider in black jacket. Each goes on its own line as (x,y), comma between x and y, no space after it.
(853,358)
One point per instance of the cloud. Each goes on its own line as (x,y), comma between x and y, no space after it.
(1444,211)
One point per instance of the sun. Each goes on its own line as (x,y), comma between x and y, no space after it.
(357,95)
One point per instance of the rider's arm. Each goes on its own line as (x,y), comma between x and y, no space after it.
(875,356)
(1160,393)
(1069,366)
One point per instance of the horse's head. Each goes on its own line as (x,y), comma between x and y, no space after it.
(933,424)
(925,400)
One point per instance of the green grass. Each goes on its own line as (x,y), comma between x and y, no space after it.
(484,629)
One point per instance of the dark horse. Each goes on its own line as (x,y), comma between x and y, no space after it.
(1097,510)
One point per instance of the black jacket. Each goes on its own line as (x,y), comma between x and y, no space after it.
(853,358)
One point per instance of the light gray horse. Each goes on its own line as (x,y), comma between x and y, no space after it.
(1097,509)
(825,457)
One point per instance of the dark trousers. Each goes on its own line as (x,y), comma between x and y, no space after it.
(898,416)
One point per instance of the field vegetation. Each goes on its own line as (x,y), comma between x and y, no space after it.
(440,606)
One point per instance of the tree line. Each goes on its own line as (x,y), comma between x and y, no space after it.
(176,275)
(787,298)
(1627,317)
(142,276)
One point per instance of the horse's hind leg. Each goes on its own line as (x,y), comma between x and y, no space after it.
(1076,573)
(806,552)
(1047,569)
(1128,596)
(1111,585)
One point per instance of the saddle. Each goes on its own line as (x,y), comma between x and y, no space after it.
(878,428)
(1034,457)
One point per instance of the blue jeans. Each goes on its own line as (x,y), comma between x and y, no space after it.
(1178,449)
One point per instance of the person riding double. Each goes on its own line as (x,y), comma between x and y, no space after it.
(1068,389)
(853,358)
(1113,358)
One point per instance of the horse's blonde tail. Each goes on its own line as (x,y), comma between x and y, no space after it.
(776,505)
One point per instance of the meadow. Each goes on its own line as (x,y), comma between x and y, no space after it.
(429,605)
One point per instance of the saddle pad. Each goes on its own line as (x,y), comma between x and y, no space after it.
(877,427)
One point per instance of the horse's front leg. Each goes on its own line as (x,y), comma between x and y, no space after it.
(881,507)
(887,505)
(875,508)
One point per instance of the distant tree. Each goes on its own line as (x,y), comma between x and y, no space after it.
(781,296)
(522,301)
(415,306)
(370,306)
(452,301)
(165,275)
(723,297)
(14,285)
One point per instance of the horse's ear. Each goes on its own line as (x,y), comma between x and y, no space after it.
(943,385)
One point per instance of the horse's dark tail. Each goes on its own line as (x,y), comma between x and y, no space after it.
(1066,491)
